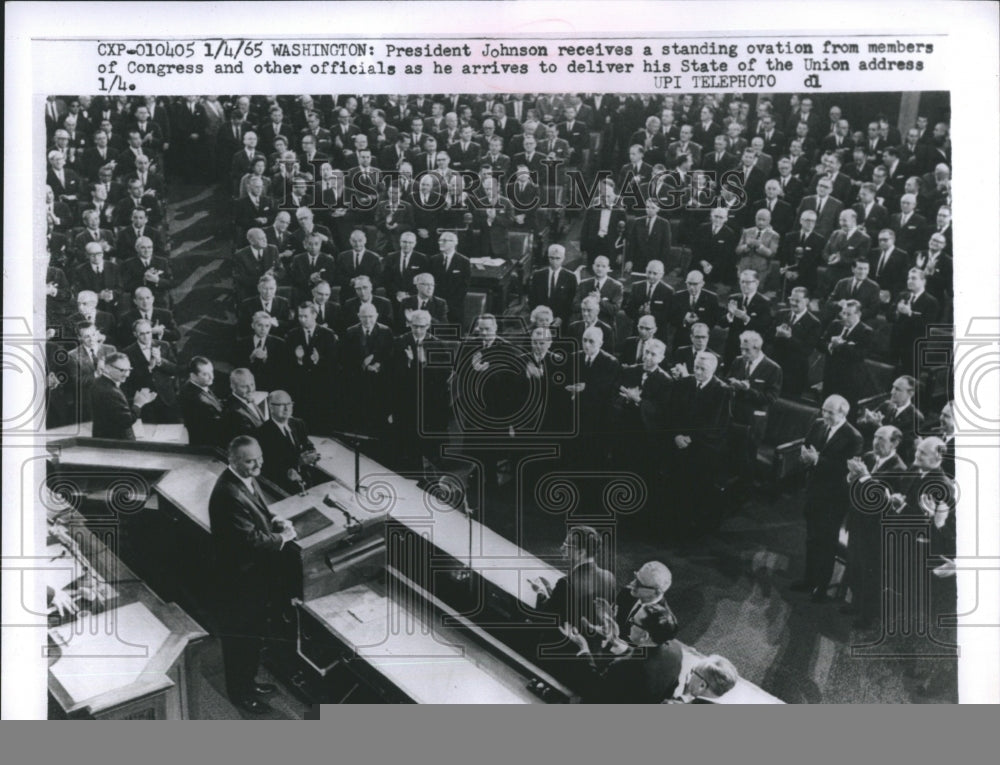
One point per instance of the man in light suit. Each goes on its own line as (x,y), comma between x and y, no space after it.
(248,540)
(758,246)
(829,444)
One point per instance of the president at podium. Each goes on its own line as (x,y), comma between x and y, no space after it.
(248,539)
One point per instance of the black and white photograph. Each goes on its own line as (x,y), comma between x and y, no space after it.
(643,395)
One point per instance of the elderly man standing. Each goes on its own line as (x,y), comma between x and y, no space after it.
(758,246)
(114,416)
(829,444)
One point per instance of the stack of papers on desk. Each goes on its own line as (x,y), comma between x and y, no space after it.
(492,262)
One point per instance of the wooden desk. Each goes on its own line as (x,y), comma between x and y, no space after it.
(495,281)
(127,662)
(426,661)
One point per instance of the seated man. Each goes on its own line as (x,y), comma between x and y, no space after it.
(114,415)
(242,415)
(160,319)
(900,412)
(649,674)
(200,407)
(289,455)
(709,679)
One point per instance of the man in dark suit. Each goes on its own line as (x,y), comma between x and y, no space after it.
(265,355)
(800,253)
(865,523)
(872,216)
(138,228)
(248,540)
(93,232)
(846,343)
(242,414)
(363,295)
(421,367)
(366,356)
(826,207)
(792,188)
(714,248)
(829,444)
(596,374)
(314,352)
(358,261)
(647,588)
(289,455)
(145,270)
(856,287)
(579,600)
(452,272)
(910,226)
(782,213)
(916,310)
(113,414)
(649,239)
(137,199)
(603,225)
(589,312)
(311,267)
(99,277)
(750,177)
(633,180)
(651,297)
(153,367)
(640,410)
(937,266)
(756,382)
(255,210)
(423,300)
(890,264)
(690,306)
(160,319)
(252,262)
(795,338)
(550,410)
(899,412)
(848,243)
(554,286)
(699,426)
(720,160)
(201,409)
(269,301)
(608,291)
(747,311)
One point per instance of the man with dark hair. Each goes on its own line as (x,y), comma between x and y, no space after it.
(114,416)
(795,338)
(248,539)
(201,409)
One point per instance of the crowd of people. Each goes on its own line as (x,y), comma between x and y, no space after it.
(734,251)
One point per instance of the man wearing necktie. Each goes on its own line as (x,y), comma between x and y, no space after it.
(829,444)
(201,410)
(248,541)
(916,310)
(241,414)
(554,286)
(639,413)
(153,367)
(358,261)
(846,343)
(315,358)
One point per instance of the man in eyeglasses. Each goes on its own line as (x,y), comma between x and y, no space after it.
(648,586)
(113,414)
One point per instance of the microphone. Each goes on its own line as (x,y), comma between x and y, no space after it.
(293,475)
(353,524)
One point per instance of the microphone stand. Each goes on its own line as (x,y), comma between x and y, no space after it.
(355,440)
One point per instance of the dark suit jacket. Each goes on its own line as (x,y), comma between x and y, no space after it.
(718,250)
(765,387)
(706,307)
(591,243)
(803,263)
(644,246)
(245,214)
(908,421)
(301,272)
(827,221)
(876,219)
(793,353)
(370,266)
(325,342)
(703,416)
(280,310)
(349,312)
(827,491)
(658,305)
(270,374)
(759,320)
(782,216)
(239,419)
(161,379)
(127,238)
(867,294)
(648,676)
(892,275)
(452,286)
(421,395)
(601,379)
(561,301)
(247,270)
(850,248)
(845,371)
(246,547)
(113,414)
(912,235)
(437,308)
(611,293)
(202,415)
(650,415)
(574,596)
(161,317)
(84,278)
(907,330)
(133,272)
(280,456)
(576,330)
